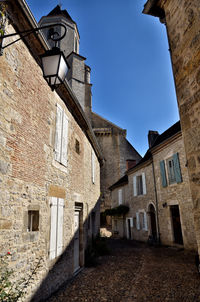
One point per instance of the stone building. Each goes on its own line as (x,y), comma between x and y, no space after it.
(118,154)
(182,23)
(158,194)
(49,165)
(116,149)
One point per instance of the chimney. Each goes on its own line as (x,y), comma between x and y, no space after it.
(130,163)
(152,136)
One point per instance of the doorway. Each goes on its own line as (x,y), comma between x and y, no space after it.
(176,224)
(152,214)
(129,225)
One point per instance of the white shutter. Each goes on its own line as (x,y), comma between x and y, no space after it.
(145,222)
(60,226)
(120,196)
(134,186)
(53,230)
(138,221)
(93,167)
(58,134)
(64,140)
(144,184)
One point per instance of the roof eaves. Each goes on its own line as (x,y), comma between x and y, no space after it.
(121,182)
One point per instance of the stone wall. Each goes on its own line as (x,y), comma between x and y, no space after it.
(174,194)
(116,150)
(141,203)
(160,199)
(183,22)
(30,176)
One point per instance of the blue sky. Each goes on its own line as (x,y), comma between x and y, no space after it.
(127,51)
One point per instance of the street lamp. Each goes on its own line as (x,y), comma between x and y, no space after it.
(54,67)
(54,64)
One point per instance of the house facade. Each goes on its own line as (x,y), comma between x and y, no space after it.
(158,194)
(181,19)
(49,166)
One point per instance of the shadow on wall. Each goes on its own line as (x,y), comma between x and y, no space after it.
(64,267)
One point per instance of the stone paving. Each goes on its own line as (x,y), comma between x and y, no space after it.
(135,272)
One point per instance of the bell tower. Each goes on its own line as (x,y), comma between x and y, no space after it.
(70,43)
(78,75)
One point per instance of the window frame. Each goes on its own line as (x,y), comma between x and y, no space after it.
(170,171)
(30,226)
(142,186)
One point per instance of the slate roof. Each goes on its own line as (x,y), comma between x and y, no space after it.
(167,134)
(122,181)
(174,129)
(57,12)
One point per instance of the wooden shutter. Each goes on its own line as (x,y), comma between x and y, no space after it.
(144,184)
(53,230)
(134,186)
(93,167)
(163,173)
(145,222)
(177,169)
(64,140)
(131,222)
(120,196)
(137,221)
(60,226)
(58,134)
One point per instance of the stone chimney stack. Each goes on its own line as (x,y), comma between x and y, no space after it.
(152,136)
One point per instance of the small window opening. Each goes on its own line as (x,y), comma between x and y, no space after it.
(171,173)
(139,185)
(33,221)
(77,146)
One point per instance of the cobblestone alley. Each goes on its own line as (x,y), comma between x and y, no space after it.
(135,272)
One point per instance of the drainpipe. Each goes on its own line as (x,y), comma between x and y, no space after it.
(156,195)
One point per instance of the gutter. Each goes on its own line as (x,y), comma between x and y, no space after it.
(33,22)
(156,196)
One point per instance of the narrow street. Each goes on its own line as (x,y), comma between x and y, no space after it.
(135,272)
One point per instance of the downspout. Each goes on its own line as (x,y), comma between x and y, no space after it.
(156,196)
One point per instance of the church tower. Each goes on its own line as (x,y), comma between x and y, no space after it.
(79,73)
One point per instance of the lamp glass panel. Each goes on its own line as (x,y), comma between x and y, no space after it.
(50,65)
(54,81)
(63,68)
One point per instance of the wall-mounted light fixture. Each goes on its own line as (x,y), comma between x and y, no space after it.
(54,64)
(164,205)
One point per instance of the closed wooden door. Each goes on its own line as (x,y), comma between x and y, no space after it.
(76,241)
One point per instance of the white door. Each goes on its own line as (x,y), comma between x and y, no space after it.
(76,241)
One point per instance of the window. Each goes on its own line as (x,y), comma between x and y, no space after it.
(93,166)
(173,170)
(141,220)
(139,184)
(120,196)
(56,232)
(33,221)
(171,173)
(77,146)
(61,136)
